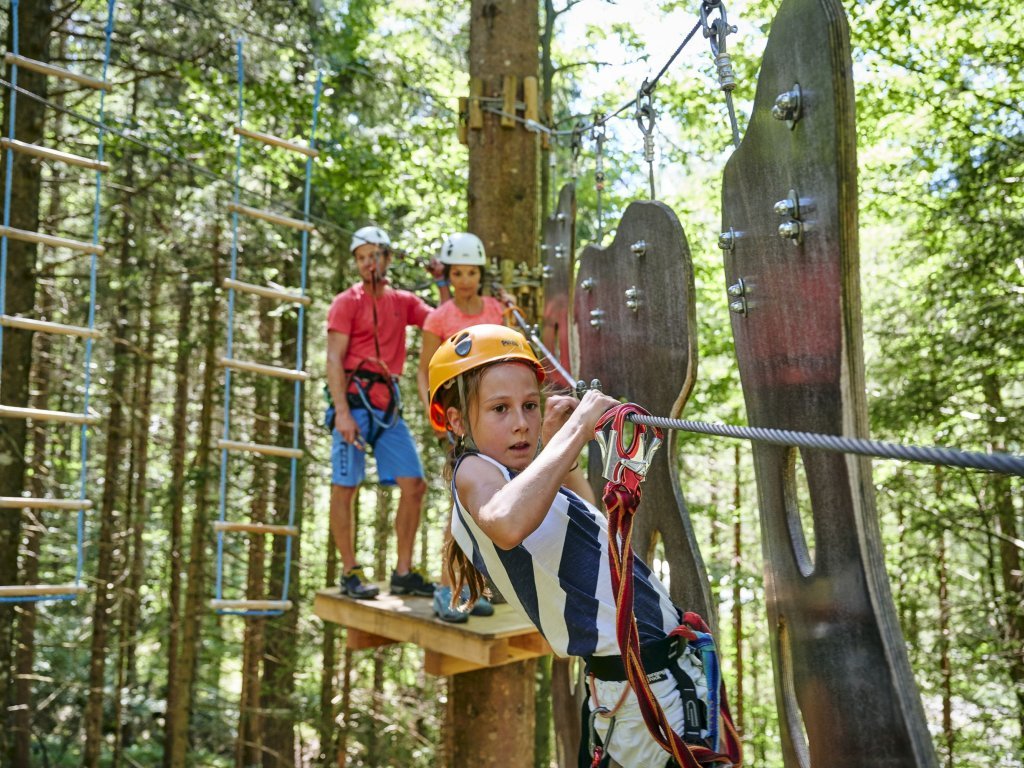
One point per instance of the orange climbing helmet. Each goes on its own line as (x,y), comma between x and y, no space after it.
(471,348)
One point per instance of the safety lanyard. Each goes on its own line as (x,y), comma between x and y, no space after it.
(625,467)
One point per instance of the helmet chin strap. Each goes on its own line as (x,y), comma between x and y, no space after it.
(467,437)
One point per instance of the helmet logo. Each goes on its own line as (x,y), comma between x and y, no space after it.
(511,343)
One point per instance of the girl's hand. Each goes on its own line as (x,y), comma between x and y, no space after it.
(558,409)
(592,407)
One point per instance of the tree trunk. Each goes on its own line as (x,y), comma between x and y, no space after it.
(36,19)
(504,42)
(250,724)
(326,728)
(32,533)
(281,658)
(945,666)
(176,503)
(491,712)
(191,626)
(999,496)
(139,519)
(110,563)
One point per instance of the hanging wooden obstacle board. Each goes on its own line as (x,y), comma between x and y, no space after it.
(844,687)
(485,641)
(559,249)
(635,322)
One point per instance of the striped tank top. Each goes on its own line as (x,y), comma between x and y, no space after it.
(559,577)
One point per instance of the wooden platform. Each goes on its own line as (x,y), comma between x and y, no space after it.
(483,641)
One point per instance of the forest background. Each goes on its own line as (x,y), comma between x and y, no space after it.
(139,671)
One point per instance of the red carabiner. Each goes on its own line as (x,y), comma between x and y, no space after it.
(626,464)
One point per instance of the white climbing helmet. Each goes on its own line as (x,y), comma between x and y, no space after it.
(371,235)
(463,248)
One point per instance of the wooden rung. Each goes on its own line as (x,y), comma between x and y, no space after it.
(251,605)
(273,218)
(43,326)
(50,240)
(273,530)
(52,154)
(268,292)
(40,590)
(266,370)
(27,502)
(48,69)
(267,450)
(37,414)
(266,138)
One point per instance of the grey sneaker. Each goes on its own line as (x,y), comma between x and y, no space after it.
(443,608)
(411,583)
(353,584)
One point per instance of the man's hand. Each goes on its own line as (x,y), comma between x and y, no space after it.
(348,429)
(435,268)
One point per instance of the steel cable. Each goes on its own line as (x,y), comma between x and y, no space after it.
(1005,463)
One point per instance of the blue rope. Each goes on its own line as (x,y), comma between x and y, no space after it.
(230,326)
(8,174)
(299,362)
(83,450)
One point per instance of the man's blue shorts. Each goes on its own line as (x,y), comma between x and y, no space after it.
(393,448)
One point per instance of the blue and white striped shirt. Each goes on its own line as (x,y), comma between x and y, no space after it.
(559,577)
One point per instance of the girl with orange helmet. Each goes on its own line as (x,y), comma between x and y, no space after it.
(524,517)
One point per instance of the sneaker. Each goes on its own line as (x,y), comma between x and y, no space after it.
(411,583)
(482,607)
(353,584)
(443,608)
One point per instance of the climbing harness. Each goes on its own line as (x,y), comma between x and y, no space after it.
(716,33)
(43,592)
(625,465)
(256,607)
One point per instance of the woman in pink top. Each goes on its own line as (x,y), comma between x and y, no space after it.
(463,257)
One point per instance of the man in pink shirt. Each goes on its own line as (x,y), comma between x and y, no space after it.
(365,356)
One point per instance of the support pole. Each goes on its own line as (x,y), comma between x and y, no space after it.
(491,712)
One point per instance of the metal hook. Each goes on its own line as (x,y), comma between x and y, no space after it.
(601,709)
(645,113)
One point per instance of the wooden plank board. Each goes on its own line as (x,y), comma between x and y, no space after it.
(483,641)
(845,691)
(648,356)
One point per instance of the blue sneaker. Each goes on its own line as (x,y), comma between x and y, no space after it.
(482,607)
(353,584)
(443,608)
(411,583)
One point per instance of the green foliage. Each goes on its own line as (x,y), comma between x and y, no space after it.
(941,152)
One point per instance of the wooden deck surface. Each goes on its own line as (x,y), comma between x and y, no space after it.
(483,641)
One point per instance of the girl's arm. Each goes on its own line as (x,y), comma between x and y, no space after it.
(508,512)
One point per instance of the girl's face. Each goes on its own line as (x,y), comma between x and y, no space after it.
(505,415)
(465,280)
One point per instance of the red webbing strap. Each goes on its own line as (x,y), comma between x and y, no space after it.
(622,499)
